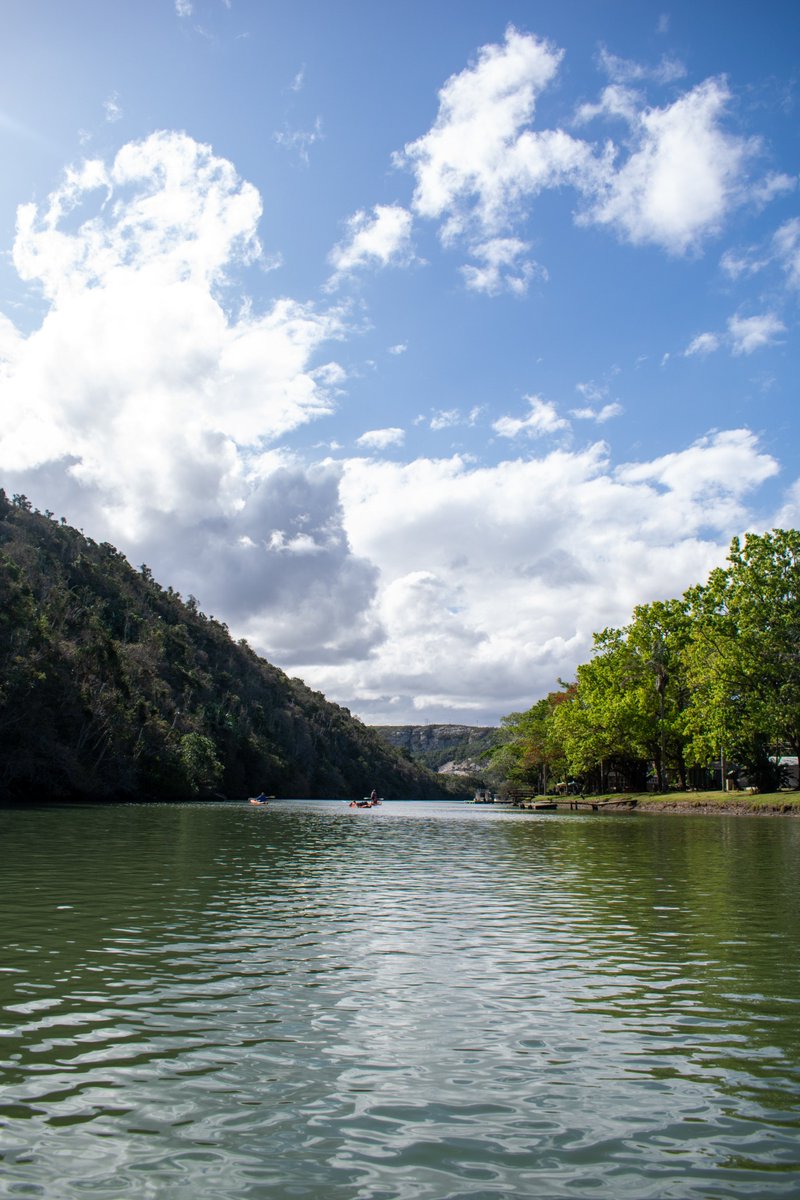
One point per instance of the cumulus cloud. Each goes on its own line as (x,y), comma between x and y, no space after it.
(151,402)
(139,387)
(683,174)
(282,571)
(542,418)
(503,267)
(615,101)
(479,161)
(491,580)
(743,335)
(380,439)
(671,181)
(378,239)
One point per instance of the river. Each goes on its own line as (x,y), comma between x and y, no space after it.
(416,1002)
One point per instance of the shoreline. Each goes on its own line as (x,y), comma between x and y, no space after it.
(737,808)
(771,804)
(768,804)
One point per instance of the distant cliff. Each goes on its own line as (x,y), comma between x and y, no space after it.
(448,749)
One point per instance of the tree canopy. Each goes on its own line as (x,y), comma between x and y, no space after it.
(713,676)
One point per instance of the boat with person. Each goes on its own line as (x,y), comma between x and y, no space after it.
(371,801)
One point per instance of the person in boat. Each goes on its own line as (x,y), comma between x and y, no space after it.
(373,797)
(261,799)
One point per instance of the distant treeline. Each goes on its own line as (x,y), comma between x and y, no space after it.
(114,687)
(712,678)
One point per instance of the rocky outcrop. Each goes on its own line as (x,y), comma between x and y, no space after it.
(447,749)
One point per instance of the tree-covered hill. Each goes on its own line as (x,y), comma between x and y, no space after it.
(114,687)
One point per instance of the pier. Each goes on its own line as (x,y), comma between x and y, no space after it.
(532,801)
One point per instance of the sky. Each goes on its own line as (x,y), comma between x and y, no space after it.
(417,342)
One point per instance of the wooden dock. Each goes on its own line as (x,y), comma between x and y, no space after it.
(575,804)
(530,800)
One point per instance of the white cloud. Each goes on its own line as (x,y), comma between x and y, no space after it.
(599,415)
(624,70)
(491,580)
(112,108)
(138,384)
(399,348)
(479,162)
(150,416)
(379,439)
(773,185)
(787,248)
(11,343)
(753,333)
(683,175)
(788,515)
(704,343)
(504,267)
(380,238)
(615,101)
(446,419)
(744,335)
(300,140)
(720,467)
(672,183)
(593,392)
(184,8)
(737,264)
(542,418)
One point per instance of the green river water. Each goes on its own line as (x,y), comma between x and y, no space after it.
(418,1002)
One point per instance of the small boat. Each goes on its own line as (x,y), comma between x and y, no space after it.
(262,799)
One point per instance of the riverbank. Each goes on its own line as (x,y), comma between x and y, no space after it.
(736,803)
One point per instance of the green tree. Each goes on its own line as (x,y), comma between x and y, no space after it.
(201,766)
(530,750)
(745,656)
(628,708)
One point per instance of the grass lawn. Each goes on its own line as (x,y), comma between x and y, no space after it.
(710,801)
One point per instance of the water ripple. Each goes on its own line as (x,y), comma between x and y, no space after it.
(422,1001)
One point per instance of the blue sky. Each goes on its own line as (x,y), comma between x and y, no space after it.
(417,342)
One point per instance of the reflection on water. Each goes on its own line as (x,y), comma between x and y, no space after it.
(418,1001)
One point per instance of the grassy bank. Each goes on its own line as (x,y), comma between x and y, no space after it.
(711,802)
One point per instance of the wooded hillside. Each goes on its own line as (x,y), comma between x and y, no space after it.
(113,687)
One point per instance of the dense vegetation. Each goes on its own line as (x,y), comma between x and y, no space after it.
(113,687)
(712,678)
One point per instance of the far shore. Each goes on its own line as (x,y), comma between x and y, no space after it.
(729,803)
(737,803)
